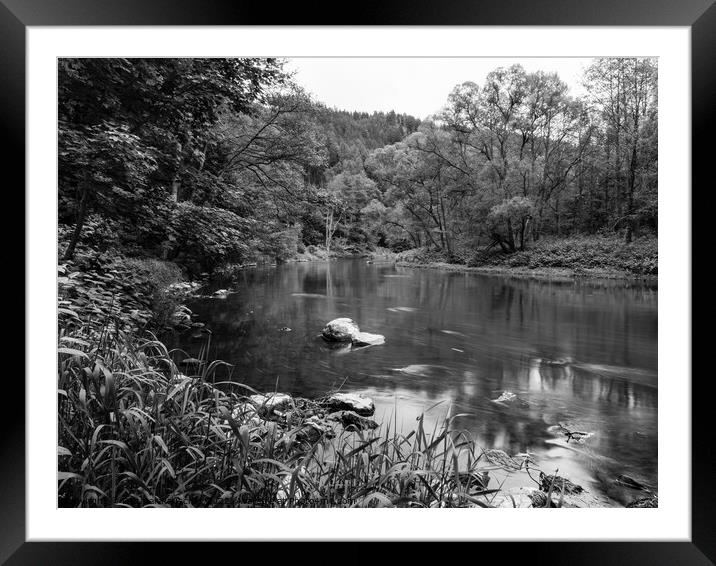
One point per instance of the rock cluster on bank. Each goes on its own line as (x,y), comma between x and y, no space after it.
(309,420)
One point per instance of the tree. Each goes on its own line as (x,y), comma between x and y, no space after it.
(624,97)
(159,111)
(509,221)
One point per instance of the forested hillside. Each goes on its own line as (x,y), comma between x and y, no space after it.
(206,162)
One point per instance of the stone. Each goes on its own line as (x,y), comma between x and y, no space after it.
(368,339)
(558,484)
(271,402)
(630,482)
(313,430)
(351,418)
(644,502)
(246,413)
(508,398)
(516,497)
(359,404)
(340,330)
(505,397)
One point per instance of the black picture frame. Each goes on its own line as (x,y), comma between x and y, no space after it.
(699,15)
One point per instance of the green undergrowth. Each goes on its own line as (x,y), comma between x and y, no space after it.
(136,292)
(576,254)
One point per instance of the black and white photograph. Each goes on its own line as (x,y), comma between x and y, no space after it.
(355,282)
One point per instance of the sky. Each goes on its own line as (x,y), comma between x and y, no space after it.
(417,86)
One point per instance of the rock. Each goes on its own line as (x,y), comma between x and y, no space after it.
(351,418)
(271,402)
(368,339)
(509,398)
(344,330)
(359,404)
(538,498)
(522,497)
(516,497)
(628,481)
(644,502)
(340,330)
(221,293)
(559,484)
(246,414)
(182,316)
(581,500)
(505,397)
(313,430)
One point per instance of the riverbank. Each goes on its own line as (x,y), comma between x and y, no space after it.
(596,257)
(547,273)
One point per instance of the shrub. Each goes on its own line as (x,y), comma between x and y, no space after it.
(131,292)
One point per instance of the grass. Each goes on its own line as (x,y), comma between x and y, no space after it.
(134,431)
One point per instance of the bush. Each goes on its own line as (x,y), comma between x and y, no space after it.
(132,293)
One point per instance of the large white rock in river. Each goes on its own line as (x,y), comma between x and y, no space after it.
(360,404)
(340,330)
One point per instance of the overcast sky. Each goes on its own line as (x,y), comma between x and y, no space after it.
(416,86)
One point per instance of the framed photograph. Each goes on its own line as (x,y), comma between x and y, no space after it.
(394,279)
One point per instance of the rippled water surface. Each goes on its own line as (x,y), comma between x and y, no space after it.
(581,353)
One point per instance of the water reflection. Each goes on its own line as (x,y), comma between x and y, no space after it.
(573,351)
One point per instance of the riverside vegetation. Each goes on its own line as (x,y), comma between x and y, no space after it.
(175,170)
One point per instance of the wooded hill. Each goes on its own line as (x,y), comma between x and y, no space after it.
(212,161)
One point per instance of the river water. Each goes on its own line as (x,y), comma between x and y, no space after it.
(583,353)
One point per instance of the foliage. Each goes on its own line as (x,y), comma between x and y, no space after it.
(208,236)
(98,286)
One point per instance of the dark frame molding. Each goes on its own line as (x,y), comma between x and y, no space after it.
(699,15)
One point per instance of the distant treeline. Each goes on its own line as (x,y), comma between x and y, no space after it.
(212,161)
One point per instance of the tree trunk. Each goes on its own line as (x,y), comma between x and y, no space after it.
(510,235)
(329,234)
(81,213)
(176,183)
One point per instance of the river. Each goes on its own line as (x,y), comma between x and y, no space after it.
(577,352)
